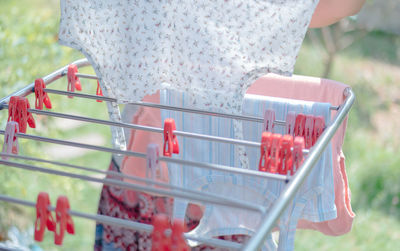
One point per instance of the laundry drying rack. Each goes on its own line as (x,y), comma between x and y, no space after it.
(270,217)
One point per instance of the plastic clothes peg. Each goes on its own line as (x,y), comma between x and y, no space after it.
(290,123)
(44,217)
(286,154)
(269,118)
(64,220)
(24,117)
(299,125)
(10,144)
(31,120)
(153,169)
(99,92)
(73,80)
(276,141)
(265,151)
(178,242)
(160,241)
(298,146)
(319,126)
(41,96)
(170,140)
(12,109)
(308,131)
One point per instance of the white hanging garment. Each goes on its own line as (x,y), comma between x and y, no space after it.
(213,50)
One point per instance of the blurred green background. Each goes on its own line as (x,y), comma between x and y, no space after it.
(368,60)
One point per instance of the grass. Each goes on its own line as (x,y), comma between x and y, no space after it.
(29,49)
(372,230)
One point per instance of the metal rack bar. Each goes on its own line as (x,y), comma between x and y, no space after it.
(125,223)
(136,187)
(290,190)
(166,159)
(173,108)
(148,128)
(47,79)
(88,76)
(165,107)
(144,128)
(231,202)
(81,75)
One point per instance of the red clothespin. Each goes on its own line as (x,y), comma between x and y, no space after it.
(178,243)
(12,109)
(319,126)
(286,154)
(40,95)
(298,147)
(24,116)
(299,125)
(44,217)
(153,169)
(160,241)
(170,140)
(64,220)
(265,151)
(99,92)
(269,119)
(276,141)
(73,80)
(308,131)
(290,122)
(10,144)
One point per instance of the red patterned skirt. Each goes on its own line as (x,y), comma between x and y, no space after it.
(139,207)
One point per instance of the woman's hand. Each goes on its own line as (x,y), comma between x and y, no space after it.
(331,11)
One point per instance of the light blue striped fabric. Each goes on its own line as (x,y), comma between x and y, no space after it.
(314,201)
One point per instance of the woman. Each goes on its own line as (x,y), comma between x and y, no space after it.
(140,206)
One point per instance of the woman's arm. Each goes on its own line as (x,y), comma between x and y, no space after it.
(331,11)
